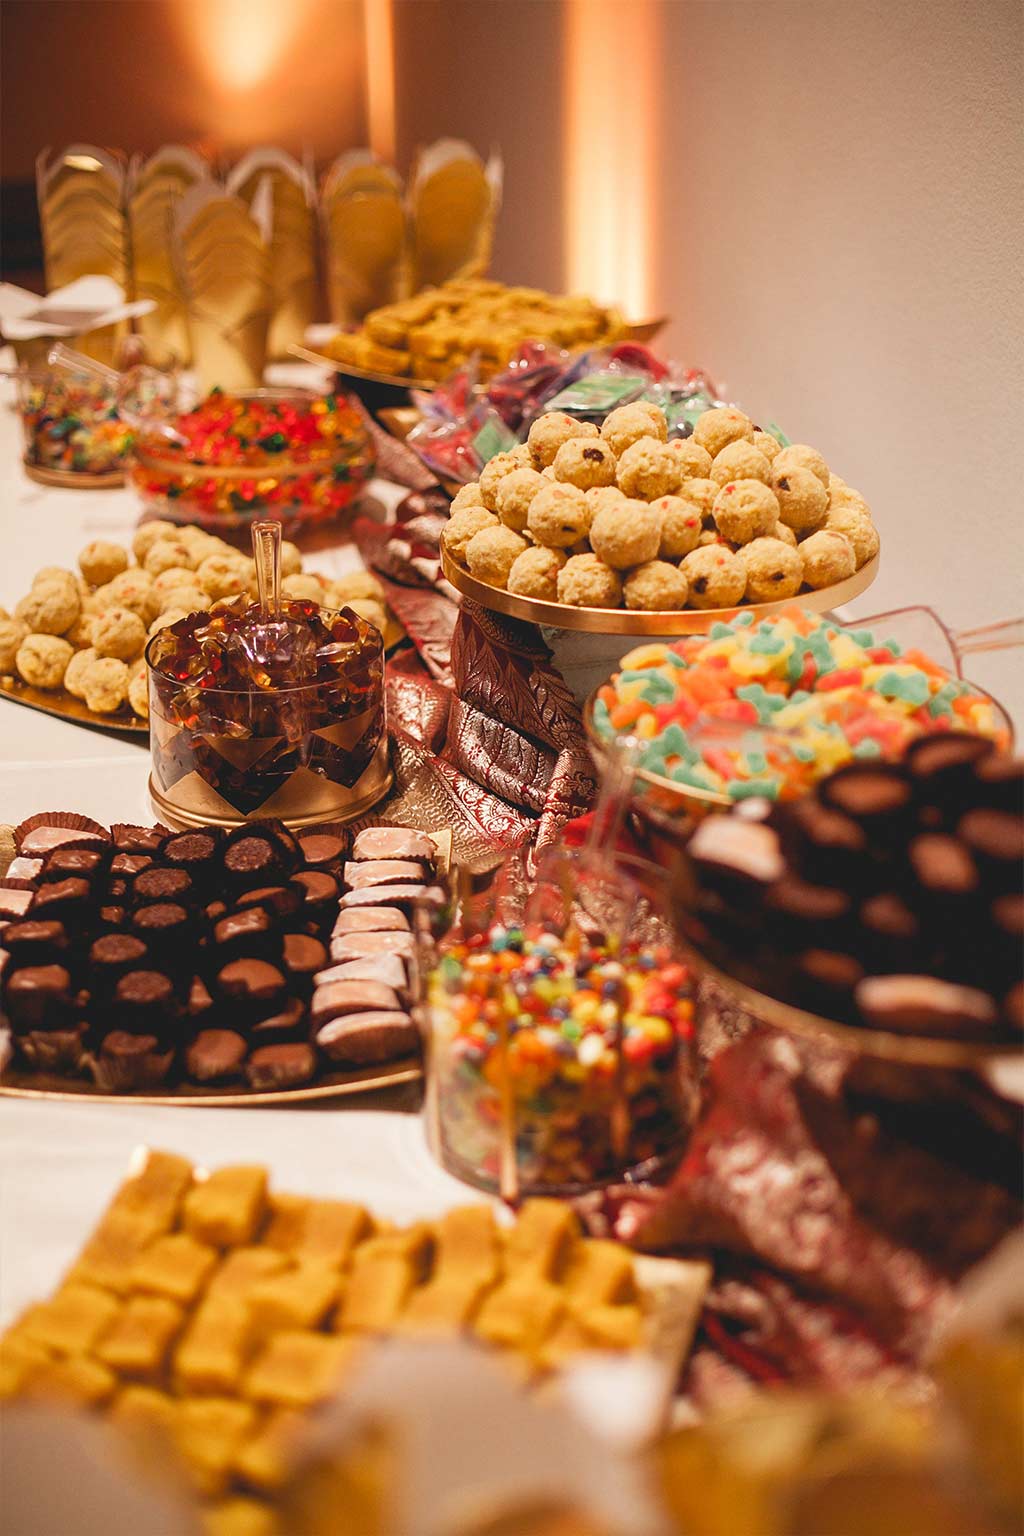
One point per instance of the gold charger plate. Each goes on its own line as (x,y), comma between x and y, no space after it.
(911,1050)
(18,1084)
(625,621)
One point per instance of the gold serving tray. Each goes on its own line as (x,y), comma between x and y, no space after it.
(74,480)
(18,1084)
(626,621)
(912,1050)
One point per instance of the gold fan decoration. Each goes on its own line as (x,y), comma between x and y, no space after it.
(453,205)
(155,188)
(223,251)
(364,228)
(81,214)
(293,266)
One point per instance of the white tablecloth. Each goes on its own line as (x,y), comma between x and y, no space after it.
(59,1162)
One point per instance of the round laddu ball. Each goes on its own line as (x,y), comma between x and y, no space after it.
(717,577)
(656,587)
(306,587)
(803,500)
(169,616)
(50,608)
(745,510)
(827,557)
(740,461)
(138,690)
(183,600)
(799,456)
(118,632)
(647,470)
(466,496)
(774,570)
(845,496)
(105,685)
(513,497)
(493,472)
(559,516)
(781,531)
(147,534)
(550,431)
(702,492)
(370,609)
(12,633)
(132,589)
(585,463)
(168,553)
(716,428)
(858,528)
(534,573)
(461,527)
(174,576)
(80,633)
(491,554)
(42,660)
(201,545)
(627,424)
(76,671)
(691,461)
(586,582)
(363,584)
(626,535)
(681,524)
(522,455)
(101,561)
(603,496)
(224,576)
(291,559)
(770,446)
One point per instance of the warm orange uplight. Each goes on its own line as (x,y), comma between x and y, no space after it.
(378,28)
(611,53)
(242,40)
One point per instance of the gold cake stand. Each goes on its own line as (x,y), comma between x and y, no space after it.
(627,621)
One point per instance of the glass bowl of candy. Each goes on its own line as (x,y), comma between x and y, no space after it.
(73,431)
(765,709)
(255,718)
(560,1047)
(288,454)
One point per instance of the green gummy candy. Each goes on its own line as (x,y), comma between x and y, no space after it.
(602,719)
(720,631)
(656,688)
(744,621)
(675,743)
(757,762)
(746,789)
(795,662)
(862,637)
(867,748)
(912,690)
(767,645)
(804,754)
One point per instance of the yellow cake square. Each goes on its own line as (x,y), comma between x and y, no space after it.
(520,1313)
(415,1244)
(213,1350)
(539,1242)
(330,1230)
(265,1461)
(75,1378)
(287,1221)
(612,1327)
(297,1298)
(139,1340)
(208,1432)
(19,1360)
(144,1409)
(111,1251)
(236,1275)
(72,1322)
(376,1293)
(175,1266)
(239,1517)
(566,1339)
(226,1209)
(444,1305)
(295,1370)
(467,1244)
(600,1271)
(154,1195)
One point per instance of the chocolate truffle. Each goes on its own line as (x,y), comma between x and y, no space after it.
(38,995)
(161,885)
(323,850)
(243,933)
(215,1054)
(35,942)
(281,1066)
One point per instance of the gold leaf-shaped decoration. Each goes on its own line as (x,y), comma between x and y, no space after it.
(293,264)
(365,234)
(222,252)
(453,205)
(80,192)
(156,187)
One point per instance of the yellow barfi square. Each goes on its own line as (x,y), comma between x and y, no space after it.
(212,1352)
(240,1517)
(112,1250)
(444,1305)
(226,1209)
(139,1340)
(611,1327)
(600,1271)
(144,1409)
(377,1291)
(520,1313)
(20,1358)
(414,1244)
(243,1268)
(72,1322)
(75,1378)
(155,1193)
(175,1266)
(467,1244)
(330,1231)
(540,1240)
(208,1432)
(266,1461)
(298,1298)
(295,1370)
(566,1339)
(287,1221)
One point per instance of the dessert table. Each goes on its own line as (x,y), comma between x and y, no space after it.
(60,1161)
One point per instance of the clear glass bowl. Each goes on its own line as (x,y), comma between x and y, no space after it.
(72,428)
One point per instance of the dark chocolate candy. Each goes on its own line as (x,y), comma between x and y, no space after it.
(243,933)
(199,1000)
(139,839)
(194,851)
(60,1049)
(942,766)
(128,1060)
(279,900)
(112,956)
(996,839)
(117,890)
(128,865)
(323,850)
(112,915)
(736,857)
(289,1023)
(65,900)
(303,956)
(281,1066)
(35,942)
(319,891)
(158,885)
(215,1054)
(999,783)
(392,843)
(363,1039)
(798,905)
(891,931)
(38,996)
(251,861)
(371,920)
(943,867)
(877,796)
(825,980)
(165,927)
(71,863)
(924,1005)
(1013,1007)
(250,981)
(144,1002)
